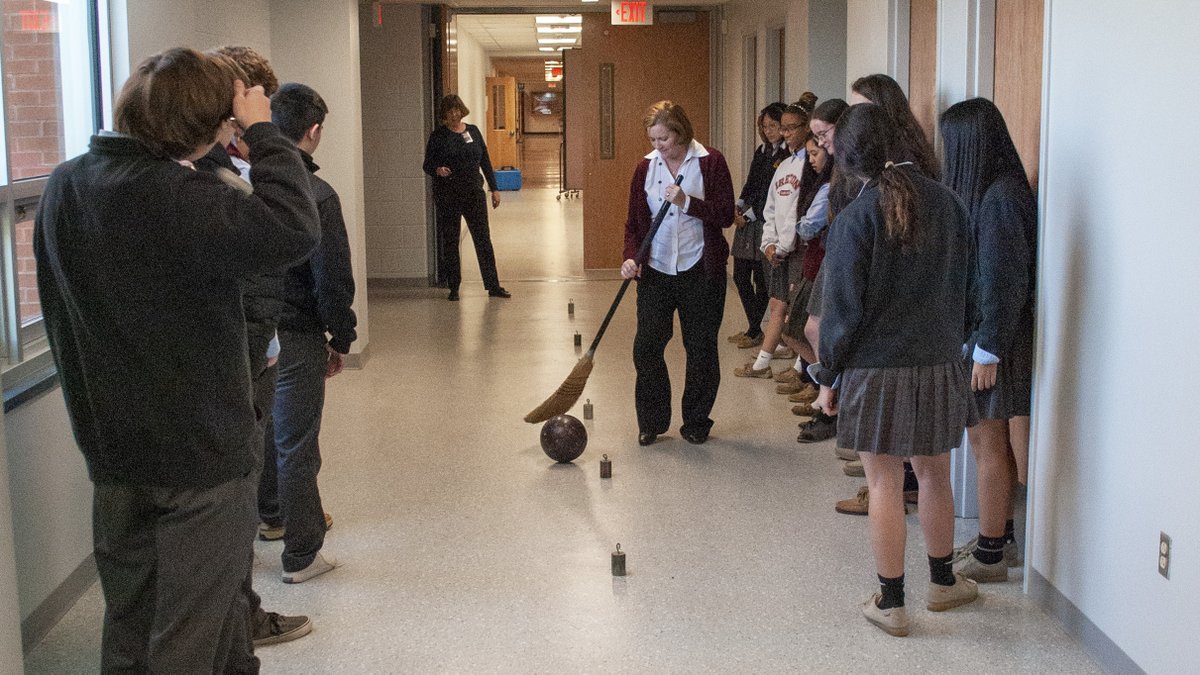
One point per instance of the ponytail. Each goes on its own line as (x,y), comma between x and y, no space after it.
(898,197)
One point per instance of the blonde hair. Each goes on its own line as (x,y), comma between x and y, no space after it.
(670,115)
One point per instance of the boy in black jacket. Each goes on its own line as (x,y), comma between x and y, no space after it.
(318,294)
(139,259)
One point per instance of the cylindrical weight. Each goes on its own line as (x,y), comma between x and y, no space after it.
(605,468)
(578,342)
(588,411)
(618,562)
(571,308)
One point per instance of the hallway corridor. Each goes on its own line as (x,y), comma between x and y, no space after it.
(465,549)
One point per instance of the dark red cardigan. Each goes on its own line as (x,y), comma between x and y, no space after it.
(716,210)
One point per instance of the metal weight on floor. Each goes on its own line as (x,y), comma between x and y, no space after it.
(571,307)
(618,562)
(588,410)
(578,340)
(605,467)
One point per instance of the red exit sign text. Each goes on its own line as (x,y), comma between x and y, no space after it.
(631,13)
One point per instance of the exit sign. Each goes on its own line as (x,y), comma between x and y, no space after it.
(627,13)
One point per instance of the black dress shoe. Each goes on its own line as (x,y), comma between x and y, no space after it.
(647,438)
(695,437)
(453,297)
(499,292)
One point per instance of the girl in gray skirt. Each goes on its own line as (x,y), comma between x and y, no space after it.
(897,271)
(983,168)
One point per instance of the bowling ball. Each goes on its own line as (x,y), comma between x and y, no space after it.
(563,438)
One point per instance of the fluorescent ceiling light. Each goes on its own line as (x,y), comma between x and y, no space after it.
(575,18)
(560,29)
(547,49)
(556,41)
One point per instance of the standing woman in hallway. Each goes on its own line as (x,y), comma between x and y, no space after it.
(684,272)
(897,276)
(749,276)
(453,157)
(913,145)
(983,167)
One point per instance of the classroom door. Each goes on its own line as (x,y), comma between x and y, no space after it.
(502,121)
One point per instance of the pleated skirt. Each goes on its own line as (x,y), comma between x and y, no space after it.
(1011,395)
(905,411)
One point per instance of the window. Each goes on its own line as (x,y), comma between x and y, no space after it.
(49,94)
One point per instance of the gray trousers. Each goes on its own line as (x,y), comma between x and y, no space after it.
(172,563)
(287,492)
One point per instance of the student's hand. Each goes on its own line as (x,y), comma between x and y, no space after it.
(250,106)
(335,363)
(630,269)
(770,254)
(827,401)
(495,199)
(739,221)
(443,171)
(983,377)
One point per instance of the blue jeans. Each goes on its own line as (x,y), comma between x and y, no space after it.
(287,491)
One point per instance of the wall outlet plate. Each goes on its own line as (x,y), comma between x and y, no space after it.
(1164,555)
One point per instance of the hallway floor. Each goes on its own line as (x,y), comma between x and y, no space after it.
(465,549)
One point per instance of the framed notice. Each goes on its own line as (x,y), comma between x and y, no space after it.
(607,120)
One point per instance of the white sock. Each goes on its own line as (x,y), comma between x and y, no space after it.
(763,360)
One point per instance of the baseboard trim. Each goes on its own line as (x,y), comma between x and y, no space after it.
(1095,643)
(356,360)
(46,615)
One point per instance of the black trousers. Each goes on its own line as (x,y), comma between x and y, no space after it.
(700,301)
(451,209)
(172,564)
(751,283)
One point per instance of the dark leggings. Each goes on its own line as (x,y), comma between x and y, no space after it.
(751,283)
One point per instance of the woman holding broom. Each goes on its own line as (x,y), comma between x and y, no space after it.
(684,270)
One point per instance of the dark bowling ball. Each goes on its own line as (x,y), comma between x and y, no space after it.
(563,438)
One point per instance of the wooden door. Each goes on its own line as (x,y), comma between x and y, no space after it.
(615,77)
(502,121)
(1018,83)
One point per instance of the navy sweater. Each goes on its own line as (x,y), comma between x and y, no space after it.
(1005,230)
(884,307)
(139,267)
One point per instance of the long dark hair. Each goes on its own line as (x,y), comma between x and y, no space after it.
(979,150)
(884,92)
(829,112)
(812,182)
(865,149)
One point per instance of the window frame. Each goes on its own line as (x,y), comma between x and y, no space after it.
(26,364)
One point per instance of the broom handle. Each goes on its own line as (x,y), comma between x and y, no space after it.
(641,255)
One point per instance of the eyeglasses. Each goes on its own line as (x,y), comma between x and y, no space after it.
(820,135)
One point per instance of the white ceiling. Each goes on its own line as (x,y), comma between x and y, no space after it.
(508,35)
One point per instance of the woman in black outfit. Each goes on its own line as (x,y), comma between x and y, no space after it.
(453,157)
(983,167)
(748,274)
(898,270)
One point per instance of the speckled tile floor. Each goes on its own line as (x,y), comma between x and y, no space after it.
(465,549)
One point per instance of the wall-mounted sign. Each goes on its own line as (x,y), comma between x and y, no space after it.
(628,13)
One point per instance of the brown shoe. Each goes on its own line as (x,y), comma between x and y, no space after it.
(856,506)
(747,342)
(854,468)
(788,376)
(736,336)
(784,353)
(749,371)
(804,410)
(806,395)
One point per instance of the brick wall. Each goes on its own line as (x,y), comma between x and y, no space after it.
(33,98)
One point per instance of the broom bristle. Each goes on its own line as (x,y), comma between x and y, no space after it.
(566,395)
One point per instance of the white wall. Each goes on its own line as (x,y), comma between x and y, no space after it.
(867,47)
(393,70)
(474,67)
(315,42)
(11,660)
(1115,438)
(51,497)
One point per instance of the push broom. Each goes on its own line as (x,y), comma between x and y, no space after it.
(571,389)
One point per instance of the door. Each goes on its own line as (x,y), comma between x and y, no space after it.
(502,121)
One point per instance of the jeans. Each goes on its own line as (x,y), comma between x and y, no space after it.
(287,492)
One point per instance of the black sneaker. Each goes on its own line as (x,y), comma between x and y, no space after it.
(647,438)
(499,292)
(453,297)
(694,437)
(276,628)
(819,428)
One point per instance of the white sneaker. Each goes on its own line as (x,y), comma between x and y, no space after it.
(892,621)
(320,565)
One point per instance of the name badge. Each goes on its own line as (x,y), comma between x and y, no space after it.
(467,137)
